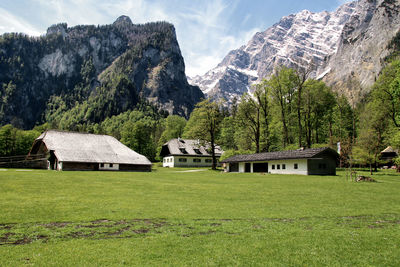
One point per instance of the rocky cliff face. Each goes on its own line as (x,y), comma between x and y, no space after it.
(297,40)
(81,62)
(347,48)
(363,47)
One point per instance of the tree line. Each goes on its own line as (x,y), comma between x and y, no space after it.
(286,111)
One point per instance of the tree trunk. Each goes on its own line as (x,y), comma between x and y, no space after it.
(214,159)
(285,130)
(299,116)
(258,132)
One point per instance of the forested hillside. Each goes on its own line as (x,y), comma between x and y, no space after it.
(287,111)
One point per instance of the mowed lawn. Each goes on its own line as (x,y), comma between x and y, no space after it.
(175,218)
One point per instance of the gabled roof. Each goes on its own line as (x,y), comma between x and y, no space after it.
(390,149)
(188,147)
(90,148)
(280,155)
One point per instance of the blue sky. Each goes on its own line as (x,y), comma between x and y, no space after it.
(207,29)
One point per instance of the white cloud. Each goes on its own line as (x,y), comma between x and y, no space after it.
(342,2)
(11,23)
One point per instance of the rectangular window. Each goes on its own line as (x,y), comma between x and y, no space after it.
(102,165)
(278,166)
(208,160)
(111,165)
(296,166)
(196,160)
(283,166)
(273,167)
(182,160)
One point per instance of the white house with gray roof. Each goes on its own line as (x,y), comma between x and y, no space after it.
(188,153)
(312,161)
(82,151)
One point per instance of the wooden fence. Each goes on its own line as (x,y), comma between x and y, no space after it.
(38,161)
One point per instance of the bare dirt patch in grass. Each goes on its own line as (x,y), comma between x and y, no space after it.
(20,234)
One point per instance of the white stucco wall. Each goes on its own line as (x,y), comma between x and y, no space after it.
(174,161)
(107,167)
(289,166)
(168,162)
(301,163)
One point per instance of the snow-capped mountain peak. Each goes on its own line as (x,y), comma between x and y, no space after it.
(295,41)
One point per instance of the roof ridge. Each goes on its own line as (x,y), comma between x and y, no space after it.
(75,132)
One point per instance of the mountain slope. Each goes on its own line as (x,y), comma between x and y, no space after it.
(295,41)
(346,48)
(364,45)
(113,66)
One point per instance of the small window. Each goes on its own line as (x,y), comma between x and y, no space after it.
(102,165)
(208,160)
(283,166)
(182,160)
(197,151)
(196,160)
(296,166)
(111,165)
(278,166)
(273,166)
(183,150)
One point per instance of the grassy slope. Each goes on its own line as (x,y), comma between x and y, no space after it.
(200,218)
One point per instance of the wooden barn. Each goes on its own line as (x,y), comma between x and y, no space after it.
(388,155)
(187,153)
(82,151)
(313,161)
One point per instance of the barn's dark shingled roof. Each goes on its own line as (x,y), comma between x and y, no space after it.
(290,154)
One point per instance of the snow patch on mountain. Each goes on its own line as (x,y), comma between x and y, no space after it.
(298,40)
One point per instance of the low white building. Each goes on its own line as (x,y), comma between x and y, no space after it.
(313,161)
(187,153)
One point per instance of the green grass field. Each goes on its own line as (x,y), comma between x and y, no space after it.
(175,218)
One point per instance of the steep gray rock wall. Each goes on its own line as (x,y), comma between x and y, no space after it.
(75,62)
(363,47)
